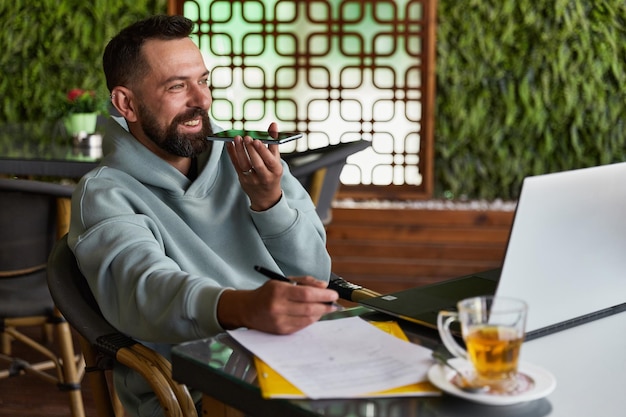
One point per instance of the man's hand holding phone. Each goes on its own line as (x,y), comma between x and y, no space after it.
(259,168)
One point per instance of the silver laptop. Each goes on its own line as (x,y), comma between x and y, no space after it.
(566,256)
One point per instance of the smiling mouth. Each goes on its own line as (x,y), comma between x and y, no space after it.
(192,123)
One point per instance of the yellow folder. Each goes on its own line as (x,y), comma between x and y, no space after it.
(273,385)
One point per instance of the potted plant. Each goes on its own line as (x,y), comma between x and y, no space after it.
(81,112)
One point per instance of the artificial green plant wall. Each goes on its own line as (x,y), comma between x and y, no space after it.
(51,46)
(523,86)
(527,87)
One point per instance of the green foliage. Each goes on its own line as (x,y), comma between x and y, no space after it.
(78,100)
(50,47)
(527,87)
(523,86)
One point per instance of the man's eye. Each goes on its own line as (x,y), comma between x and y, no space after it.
(204,82)
(176,86)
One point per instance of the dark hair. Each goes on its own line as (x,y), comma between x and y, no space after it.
(123,61)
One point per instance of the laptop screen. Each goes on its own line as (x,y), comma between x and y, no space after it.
(566,254)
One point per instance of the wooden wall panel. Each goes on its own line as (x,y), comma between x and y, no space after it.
(391,249)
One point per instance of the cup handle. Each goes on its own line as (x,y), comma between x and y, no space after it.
(444,319)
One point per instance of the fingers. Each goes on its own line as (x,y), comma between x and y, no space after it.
(234,157)
(259,170)
(273,130)
(247,153)
(310,281)
(261,158)
(275,307)
(239,154)
(293,307)
(308,291)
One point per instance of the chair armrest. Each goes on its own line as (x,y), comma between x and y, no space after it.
(165,367)
(158,381)
(21,272)
(157,371)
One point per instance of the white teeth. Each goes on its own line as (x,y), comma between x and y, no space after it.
(192,123)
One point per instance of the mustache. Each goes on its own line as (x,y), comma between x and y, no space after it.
(190,114)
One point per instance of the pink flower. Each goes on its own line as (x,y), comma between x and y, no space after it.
(82,101)
(75,93)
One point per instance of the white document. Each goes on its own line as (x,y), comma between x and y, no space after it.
(339,358)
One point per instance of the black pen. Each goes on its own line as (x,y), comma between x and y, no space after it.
(278,277)
(272,274)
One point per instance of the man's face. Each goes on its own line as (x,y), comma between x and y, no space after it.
(174,98)
(169,138)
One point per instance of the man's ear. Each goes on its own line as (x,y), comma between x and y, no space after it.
(124,101)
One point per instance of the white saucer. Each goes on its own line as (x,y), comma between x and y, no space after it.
(544,383)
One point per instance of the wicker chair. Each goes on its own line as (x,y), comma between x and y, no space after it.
(102,344)
(29,225)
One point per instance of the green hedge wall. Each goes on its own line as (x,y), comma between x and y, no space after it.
(51,46)
(523,86)
(526,87)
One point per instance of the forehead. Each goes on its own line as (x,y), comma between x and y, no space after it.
(177,57)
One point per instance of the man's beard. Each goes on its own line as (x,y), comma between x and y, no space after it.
(170,140)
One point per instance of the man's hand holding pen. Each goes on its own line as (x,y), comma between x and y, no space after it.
(277,307)
(294,281)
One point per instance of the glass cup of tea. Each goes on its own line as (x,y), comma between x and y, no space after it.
(493,330)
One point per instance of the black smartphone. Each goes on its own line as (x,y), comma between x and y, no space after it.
(229,135)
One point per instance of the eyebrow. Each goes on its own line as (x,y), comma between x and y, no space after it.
(181,78)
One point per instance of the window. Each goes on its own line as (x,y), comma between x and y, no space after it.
(337,71)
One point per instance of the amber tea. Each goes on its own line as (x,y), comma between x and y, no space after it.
(494,351)
(493,330)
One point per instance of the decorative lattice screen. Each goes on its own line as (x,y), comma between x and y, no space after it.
(337,71)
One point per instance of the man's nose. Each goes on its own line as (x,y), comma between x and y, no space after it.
(200,96)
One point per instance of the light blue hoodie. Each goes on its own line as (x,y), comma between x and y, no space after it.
(158,249)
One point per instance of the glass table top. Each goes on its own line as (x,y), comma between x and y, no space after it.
(44,149)
(222,368)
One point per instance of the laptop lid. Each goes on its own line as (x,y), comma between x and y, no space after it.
(421,305)
(565,256)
